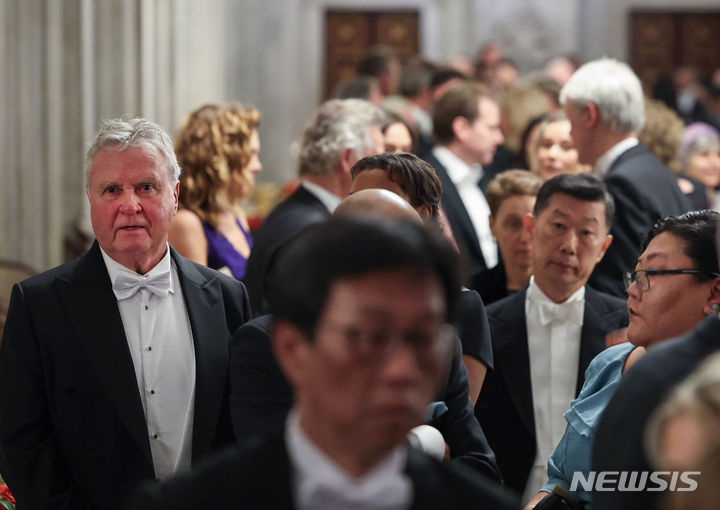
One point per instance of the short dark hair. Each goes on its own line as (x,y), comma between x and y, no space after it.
(376,62)
(461,100)
(360,87)
(697,229)
(444,75)
(585,187)
(347,246)
(415,177)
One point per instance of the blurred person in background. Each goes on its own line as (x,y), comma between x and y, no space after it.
(511,196)
(397,135)
(218,150)
(554,149)
(699,158)
(361,87)
(340,132)
(684,434)
(662,134)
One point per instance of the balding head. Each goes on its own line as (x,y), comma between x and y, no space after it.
(379,203)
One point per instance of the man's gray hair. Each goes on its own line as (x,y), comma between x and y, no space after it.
(119,134)
(338,124)
(614,88)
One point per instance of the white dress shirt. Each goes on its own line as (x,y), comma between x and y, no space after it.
(553,332)
(466,178)
(160,339)
(318,483)
(329,200)
(605,161)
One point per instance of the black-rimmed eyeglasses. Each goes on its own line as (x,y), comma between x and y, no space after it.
(642,276)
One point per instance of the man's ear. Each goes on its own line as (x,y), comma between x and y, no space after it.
(605,246)
(347,160)
(425,212)
(176,194)
(460,126)
(712,306)
(590,114)
(290,347)
(492,225)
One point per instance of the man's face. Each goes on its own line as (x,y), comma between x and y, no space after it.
(568,238)
(483,136)
(132,204)
(579,133)
(371,401)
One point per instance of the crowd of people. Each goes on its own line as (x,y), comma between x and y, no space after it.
(487,290)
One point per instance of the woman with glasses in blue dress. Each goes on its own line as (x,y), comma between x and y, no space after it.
(674,286)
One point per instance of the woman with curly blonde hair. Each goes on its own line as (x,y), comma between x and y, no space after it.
(217,148)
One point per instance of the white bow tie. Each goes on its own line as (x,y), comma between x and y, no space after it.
(126,284)
(563,312)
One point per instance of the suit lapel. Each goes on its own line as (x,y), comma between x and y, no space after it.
(512,356)
(92,307)
(206,310)
(455,210)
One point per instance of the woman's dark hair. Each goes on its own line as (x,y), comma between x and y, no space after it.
(393,118)
(697,229)
(348,246)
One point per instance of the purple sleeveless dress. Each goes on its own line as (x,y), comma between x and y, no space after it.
(221,253)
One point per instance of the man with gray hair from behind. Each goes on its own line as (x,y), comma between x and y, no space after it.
(339,133)
(604,103)
(114,366)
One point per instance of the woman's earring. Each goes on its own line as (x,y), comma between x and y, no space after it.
(716,309)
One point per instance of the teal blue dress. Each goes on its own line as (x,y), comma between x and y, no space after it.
(572,453)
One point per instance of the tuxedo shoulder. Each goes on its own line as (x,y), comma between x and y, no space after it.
(64,271)
(228,479)
(261,324)
(605,303)
(506,308)
(452,486)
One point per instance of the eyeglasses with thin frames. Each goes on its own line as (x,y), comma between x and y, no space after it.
(376,346)
(642,276)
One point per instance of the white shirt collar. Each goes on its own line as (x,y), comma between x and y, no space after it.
(457,169)
(605,161)
(536,294)
(329,200)
(313,469)
(114,267)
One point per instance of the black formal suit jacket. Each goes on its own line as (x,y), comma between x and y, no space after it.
(72,428)
(459,220)
(505,405)
(644,191)
(619,443)
(283,224)
(261,398)
(257,476)
(491,284)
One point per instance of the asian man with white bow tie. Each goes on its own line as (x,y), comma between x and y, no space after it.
(113,367)
(545,336)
